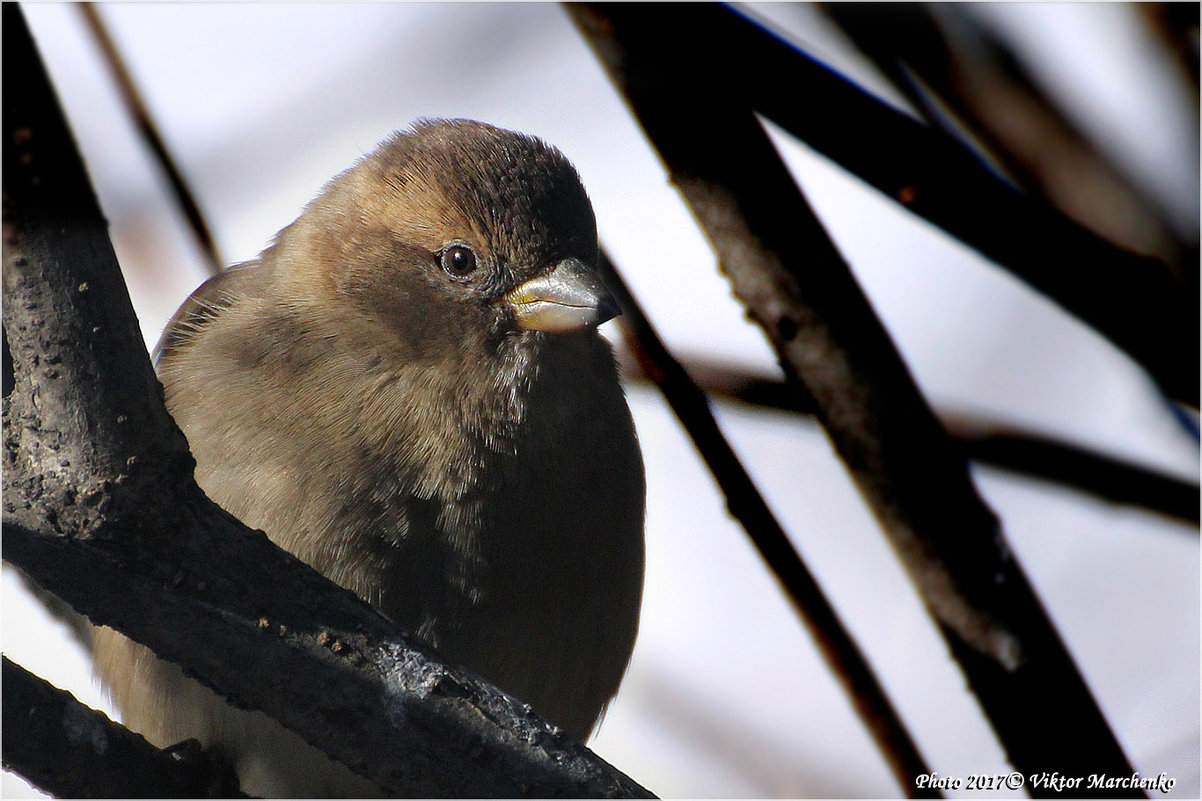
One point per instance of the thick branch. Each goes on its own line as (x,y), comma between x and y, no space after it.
(71,751)
(101,509)
(798,288)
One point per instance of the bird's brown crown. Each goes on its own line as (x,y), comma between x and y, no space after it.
(519,195)
(404,213)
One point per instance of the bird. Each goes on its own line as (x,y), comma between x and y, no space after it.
(407,390)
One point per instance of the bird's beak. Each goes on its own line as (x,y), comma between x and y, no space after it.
(568,298)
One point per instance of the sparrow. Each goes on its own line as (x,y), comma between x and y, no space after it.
(407,390)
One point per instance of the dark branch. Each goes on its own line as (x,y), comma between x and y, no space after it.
(100,508)
(747,506)
(1132,300)
(1176,25)
(1079,468)
(987,90)
(1020,452)
(72,751)
(131,98)
(797,287)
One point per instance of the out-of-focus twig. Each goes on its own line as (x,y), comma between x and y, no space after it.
(1082,469)
(980,82)
(797,287)
(1176,24)
(138,111)
(1132,300)
(747,506)
(1020,452)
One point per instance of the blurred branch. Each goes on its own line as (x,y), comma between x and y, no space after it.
(798,288)
(1132,300)
(985,87)
(1176,25)
(101,509)
(745,504)
(1080,468)
(131,98)
(1020,452)
(70,751)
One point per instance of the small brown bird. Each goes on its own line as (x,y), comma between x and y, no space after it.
(407,390)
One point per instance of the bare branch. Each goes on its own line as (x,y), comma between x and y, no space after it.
(143,120)
(1131,300)
(1017,451)
(747,506)
(71,751)
(980,82)
(1080,468)
(1176,25)
(100,508)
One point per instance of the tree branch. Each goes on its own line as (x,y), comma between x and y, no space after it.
(747,505)
(71,751)
(101,509)
(1131,300)
(987,90)
(142,119)
(1017,451)
(797,287)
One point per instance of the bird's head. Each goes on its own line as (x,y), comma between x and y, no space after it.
(449,230)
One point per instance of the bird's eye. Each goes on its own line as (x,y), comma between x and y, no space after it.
(458,260)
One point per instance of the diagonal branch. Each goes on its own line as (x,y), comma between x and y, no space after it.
(1131,300)
(987,90)
(100,508)
(138,111)
(747,506)
(798,288)
(72,751)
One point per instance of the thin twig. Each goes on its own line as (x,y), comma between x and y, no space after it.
(1080,468)
(746,505)
(796,286)
(144,121)
(1019,452)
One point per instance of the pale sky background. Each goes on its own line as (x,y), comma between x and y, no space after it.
(726,695)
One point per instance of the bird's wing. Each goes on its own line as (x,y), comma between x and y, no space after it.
(202,306)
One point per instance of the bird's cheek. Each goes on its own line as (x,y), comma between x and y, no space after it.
(405,316)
